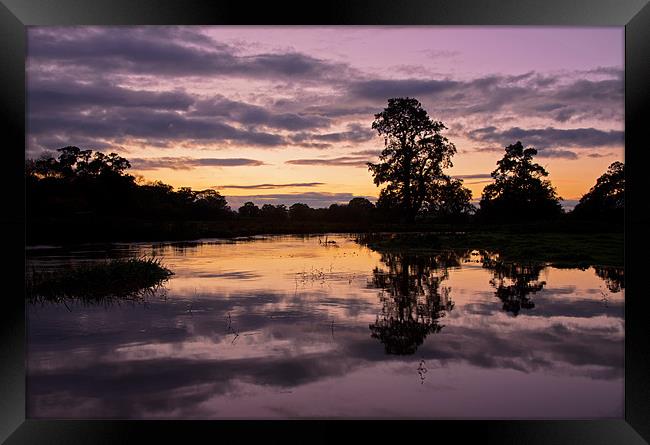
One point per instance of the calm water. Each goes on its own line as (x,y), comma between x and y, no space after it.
(286,327)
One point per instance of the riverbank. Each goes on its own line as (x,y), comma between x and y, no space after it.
(95,229)
(562,243)
(557,248)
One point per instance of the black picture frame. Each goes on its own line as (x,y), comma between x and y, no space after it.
(15,15)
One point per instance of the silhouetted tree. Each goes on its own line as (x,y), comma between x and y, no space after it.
(81,184)
(519,191)
(359,209)
(209,204)
(448,200)
(300,212)
(249,210)
(606,199)
(274,213)
(413,158)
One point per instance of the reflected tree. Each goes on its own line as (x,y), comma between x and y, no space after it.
(514,283)
(614,277)
(413,300)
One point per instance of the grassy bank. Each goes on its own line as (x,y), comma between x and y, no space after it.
(558,248)
(130,279)
(77,230)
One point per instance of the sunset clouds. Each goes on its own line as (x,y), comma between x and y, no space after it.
(246,106)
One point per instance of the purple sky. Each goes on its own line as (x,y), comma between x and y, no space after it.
(283,114)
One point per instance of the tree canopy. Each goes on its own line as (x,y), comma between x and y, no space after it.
(606,199)
(412,161)
(519,191)
(80,182)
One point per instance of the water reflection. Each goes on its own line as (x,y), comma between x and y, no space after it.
(239,336)
(614,277)
(514,283)
(413,300)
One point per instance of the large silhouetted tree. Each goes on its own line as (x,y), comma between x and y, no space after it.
(414,156)
(519,191)
(606,199)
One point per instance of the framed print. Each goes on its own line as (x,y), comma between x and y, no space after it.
(407,220)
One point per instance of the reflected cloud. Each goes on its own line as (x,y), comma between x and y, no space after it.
(176,357)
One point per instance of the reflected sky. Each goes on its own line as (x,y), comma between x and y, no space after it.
(286,327)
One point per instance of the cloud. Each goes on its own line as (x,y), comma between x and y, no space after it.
(485,181)
(559,97)
(600,155)
(366,153)
(186,163)
(343,161)
(337,110)
(270,186)
(380,89)
(146,125)
(166,51)
(569,204)
(549,137)
(355,133)
(248,114)
(48,95)
(563,154)
(116,85)
(473,176)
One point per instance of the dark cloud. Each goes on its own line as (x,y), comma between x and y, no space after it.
(549,137)
(611,71)
(45,96)
(80,87)
(337,110)
(185,163)
(553,153)
(378,89)
(366,153)
(247,114)
(530,94)
(165,51)
(146,125)
(355,133)
(270,186)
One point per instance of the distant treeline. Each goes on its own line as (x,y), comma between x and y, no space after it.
(80,191)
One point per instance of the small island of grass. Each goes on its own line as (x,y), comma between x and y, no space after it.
(124,279)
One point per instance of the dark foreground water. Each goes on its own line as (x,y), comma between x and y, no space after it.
(286,327)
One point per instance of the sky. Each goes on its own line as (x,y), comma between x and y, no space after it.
(284,114)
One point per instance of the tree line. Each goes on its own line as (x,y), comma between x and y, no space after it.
(415,154)
(411,169)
